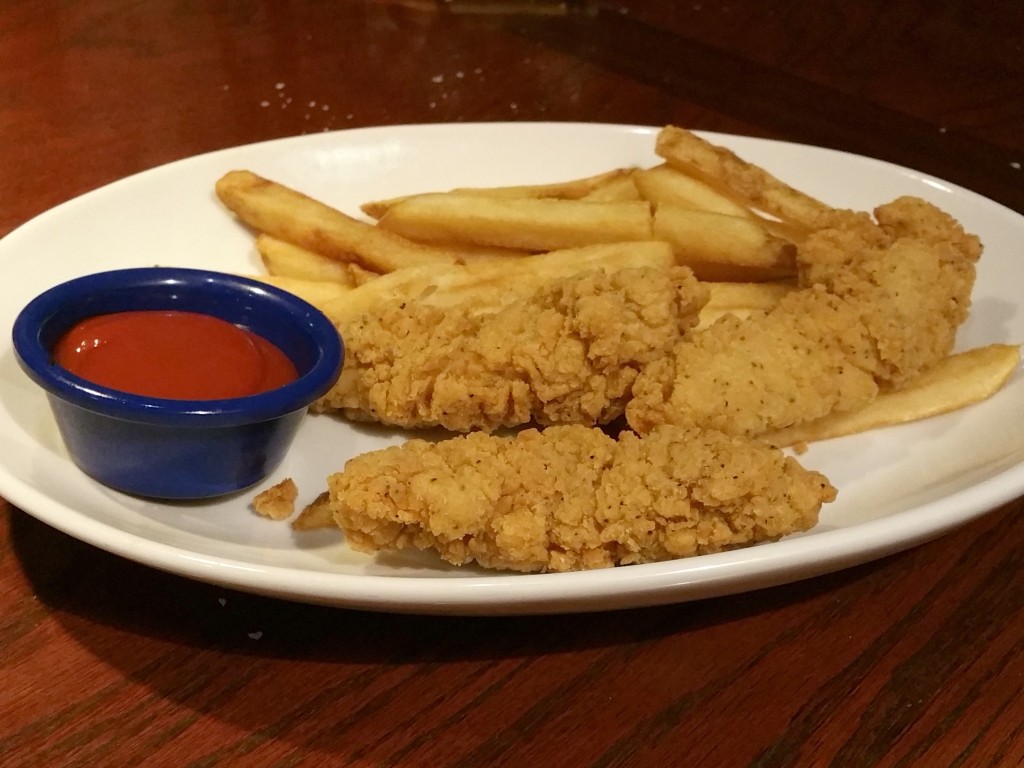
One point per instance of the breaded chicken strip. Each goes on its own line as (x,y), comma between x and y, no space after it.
(881,303)
(571,497)
(569,353)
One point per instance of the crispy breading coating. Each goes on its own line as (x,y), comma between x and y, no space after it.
(880,303)
(742,376)
(571,497)
(569,353)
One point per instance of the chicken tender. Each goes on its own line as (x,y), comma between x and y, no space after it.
(571,497)
(568,353)
(880,303)
(910,279)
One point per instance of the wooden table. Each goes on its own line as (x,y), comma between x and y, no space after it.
(914,660)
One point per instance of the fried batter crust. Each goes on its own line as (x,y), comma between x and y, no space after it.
(569,353)
(880,303)
(571,497)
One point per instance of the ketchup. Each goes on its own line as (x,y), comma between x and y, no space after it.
(173,354)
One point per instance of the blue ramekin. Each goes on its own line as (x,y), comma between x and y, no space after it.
(178,449)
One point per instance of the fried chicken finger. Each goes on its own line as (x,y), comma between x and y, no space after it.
(569,353)
(572,498)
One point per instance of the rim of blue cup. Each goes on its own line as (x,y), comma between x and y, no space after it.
(302,332)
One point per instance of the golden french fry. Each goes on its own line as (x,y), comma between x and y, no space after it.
(288,260)
(489,285)
(289,215)
(525,223)
(794,233)
(317,292)
(468,253)
(721,168)
(722,247)
(955,382)
(665,184)
(621,188)
(763,296)
(668,185)
(574,189)
(741,299)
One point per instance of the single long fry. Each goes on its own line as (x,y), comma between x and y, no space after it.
(665,184)
(289,215)
(573,189)
(722,247)
(621,188)
(490,285)
(288,260)
(319,293)
(720,167)
(536,225)
(468,253)
(741,299)
(953,383)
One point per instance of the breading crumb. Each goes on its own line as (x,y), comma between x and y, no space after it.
(315,515)
(278,501)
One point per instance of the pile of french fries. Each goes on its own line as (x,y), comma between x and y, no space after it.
(737,226)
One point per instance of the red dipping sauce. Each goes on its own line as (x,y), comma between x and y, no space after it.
(172,354)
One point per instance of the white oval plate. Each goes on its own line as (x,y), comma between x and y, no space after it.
(897,487)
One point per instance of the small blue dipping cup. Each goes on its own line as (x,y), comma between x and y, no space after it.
(178,449)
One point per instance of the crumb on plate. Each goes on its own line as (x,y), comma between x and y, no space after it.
(278,501)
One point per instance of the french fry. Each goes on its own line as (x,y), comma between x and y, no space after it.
(665,184)
(281,258)
(490,285)
(955,382)
(574,189)
(741,299)
(468,253)
(794,233)
(721,168)
(720,247)
(287,260)
(622,188)
(317,292)
(524,223)
(289,215)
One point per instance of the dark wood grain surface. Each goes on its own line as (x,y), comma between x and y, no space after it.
(913,660)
